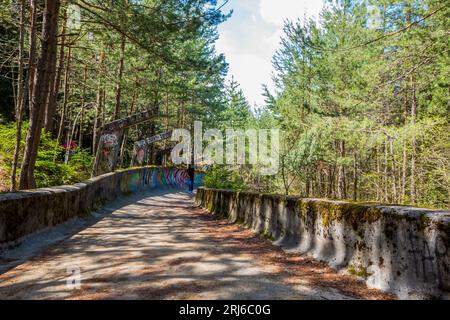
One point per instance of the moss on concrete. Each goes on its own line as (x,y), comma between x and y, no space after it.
(424,222)
(354,214)
(359,271)
(267,235)
(360,227)
(239,220)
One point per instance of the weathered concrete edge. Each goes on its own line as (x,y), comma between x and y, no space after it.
(27,212)
(401,250)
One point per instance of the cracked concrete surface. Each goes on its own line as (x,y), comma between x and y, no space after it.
(160,246)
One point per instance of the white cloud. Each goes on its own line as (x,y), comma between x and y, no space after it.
(250,38)
(251,72)
(277,11)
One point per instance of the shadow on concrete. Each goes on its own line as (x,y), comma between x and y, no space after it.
(158,245)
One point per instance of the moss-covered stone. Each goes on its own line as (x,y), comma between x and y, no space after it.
(359,271)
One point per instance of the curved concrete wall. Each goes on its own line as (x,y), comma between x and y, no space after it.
(397,249)
(25,212)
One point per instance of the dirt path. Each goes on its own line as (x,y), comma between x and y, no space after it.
(162,247)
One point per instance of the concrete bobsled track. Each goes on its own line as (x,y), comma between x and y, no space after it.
(401,250)
(25,212)
(136,234)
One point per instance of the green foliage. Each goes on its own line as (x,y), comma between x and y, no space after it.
(7,139)
(7,142)
(237,113)
(170,67)
(221,177)
(170,63)
(8,40)
(53,173)
(361,119)
(361,98)
(50,170)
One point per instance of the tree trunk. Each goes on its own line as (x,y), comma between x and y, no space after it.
(62,122)
(104,103)
(378,165)
(40,93)
(50,100)
(99,105)
(283,175)
(405,151)
(413,142)
(307,184)
(393,171)
(318,179)
(331,178)
(125,134)
(119,79)
(386,178)
(83,101)
(20,101)
(404,168)
(167,127)
(32,58)
(355,176)
(341,183)
(53,97)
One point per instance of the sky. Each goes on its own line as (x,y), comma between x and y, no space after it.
(251,36)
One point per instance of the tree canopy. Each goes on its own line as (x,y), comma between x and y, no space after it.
(361,98)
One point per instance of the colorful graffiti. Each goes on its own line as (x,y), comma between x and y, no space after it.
(111,137)
(162,179)
(107,153)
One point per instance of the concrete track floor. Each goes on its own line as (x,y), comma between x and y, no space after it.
(160,246)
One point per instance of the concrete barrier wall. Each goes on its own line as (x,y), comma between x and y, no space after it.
(25,212)
(402,250)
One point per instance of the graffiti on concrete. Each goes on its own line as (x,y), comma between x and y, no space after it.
(153,139)
(110,140)
(163,178)
(139,155)
(107,152)
(119,125)
(442,256)
(427,261)
(140,151)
